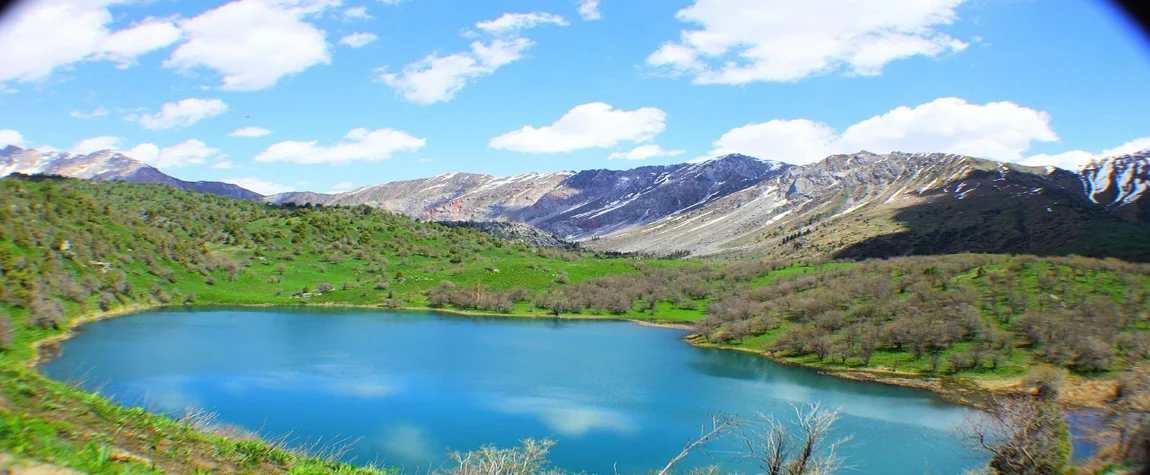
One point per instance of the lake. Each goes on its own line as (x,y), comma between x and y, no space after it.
(406,386)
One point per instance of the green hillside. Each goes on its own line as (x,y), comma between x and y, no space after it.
(71,248)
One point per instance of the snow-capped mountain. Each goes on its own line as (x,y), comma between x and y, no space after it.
(105,165)
(1120,184)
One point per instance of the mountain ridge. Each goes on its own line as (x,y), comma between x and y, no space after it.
(738,204)
(106,165)
(845,205)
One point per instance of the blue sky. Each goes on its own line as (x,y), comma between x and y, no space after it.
(335,94)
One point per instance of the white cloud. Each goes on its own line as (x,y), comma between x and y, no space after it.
(356,13)
(1136,145)
(341,187)
(359,145)
(793,141)
(95,144)
(644,152)
(224,165)
(586,126)
(513,23)
(997,130)
(183,113)
(190,152)
(125,45)
(744,41)
(254,43)
(358,40)
(438,78)
(98,112)
(39,37)
(589,9)
(11,137)
(1076,159)
(250,132)
(259,185)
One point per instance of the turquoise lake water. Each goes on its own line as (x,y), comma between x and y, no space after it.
(408,386)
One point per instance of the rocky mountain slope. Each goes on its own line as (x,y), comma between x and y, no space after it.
(1120,184)
(105,165)
(868,205)
(856,205)
(571,205)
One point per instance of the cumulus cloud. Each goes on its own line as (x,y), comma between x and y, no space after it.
(259,185)
(744,41)
(437,78)
(126,45)
(589,9)
(513,23)
(79,31)
(95,144)
(11,137)
(190,152)
(250,131)
(98,112)
(997,130)
(1136,145)
(644,152)
(358,40)
(1076,159)
(183,113)
(586,126)
(358,145)
(356,13)
(254,43)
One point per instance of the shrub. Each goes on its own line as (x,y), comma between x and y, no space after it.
(324,288)
(46,314)
(6,334)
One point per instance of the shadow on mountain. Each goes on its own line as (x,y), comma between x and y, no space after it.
(1021,215)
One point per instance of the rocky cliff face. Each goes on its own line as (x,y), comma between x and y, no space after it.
(105,165)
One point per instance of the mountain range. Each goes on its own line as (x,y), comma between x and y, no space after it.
(105,165)
(849,206)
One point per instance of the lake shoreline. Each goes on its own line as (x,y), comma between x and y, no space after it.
(1086,394)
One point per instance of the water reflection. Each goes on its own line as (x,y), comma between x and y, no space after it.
(568,417)
(407,445)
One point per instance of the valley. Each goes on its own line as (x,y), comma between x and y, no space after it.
(77,248)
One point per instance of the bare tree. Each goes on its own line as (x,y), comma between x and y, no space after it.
(720,427)
(1024,436)
(807,451)
(530,459)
